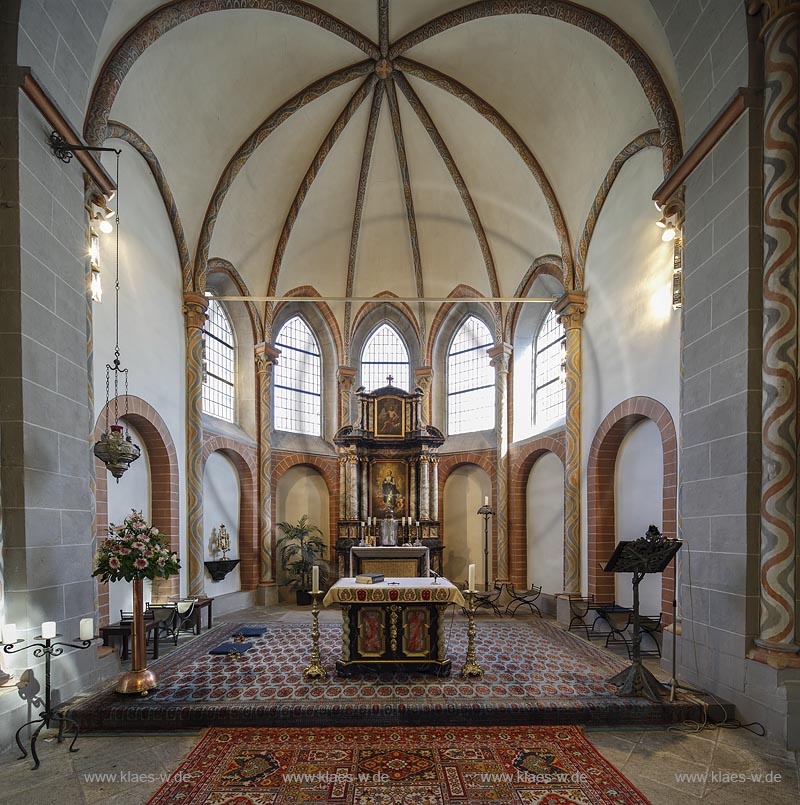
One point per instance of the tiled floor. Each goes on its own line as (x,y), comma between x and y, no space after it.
(128,769)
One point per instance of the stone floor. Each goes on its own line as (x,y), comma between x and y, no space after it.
(715,766)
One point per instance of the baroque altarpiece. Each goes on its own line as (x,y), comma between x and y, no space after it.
(388,471)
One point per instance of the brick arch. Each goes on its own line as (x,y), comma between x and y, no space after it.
(328,468)
(549,265)
(243,458)
(521,460)
(164,488)
(601,514)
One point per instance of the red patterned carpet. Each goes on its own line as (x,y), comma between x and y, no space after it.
(535,673)
(396,766)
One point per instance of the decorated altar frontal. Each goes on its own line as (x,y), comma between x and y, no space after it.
(398,622)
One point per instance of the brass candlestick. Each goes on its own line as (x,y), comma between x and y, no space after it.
(471,667)
(314,669)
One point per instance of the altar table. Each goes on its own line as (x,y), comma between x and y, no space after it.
(397,622)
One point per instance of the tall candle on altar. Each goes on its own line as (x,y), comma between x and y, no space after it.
(315,579)
(49,629)
(471,578)
(485,500)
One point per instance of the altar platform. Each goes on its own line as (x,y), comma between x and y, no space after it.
(535,673)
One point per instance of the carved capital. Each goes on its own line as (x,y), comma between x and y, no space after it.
(772,11)
(346,375)
(423,377)
(571,308)
(195,306)
(500,356)
(266,357)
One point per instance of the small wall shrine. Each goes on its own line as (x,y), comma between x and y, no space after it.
(388,475)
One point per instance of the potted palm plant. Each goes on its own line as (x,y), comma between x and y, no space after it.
(301,547)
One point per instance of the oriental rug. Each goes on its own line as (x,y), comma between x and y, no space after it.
(397,766)
(534,673)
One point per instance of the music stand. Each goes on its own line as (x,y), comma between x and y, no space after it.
(649,554)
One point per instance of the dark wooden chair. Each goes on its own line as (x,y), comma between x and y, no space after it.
(579,607)
(523,598)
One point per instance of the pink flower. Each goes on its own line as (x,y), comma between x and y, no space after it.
(162,562)
(148,554)
(113,562)
(138,545)
(124,551)
(140,563)
(155,532)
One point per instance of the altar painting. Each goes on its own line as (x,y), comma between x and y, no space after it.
(389,488)
(389,417)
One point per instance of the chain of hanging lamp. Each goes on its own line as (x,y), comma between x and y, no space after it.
(116,451)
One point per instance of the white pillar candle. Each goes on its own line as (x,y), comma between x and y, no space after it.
(315,579)
(9,633)
(485,500)
(49,629)
(471,578)
(87,629)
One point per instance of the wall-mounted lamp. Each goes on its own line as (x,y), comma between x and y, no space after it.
(671,222)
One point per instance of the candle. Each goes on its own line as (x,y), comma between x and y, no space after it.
(471,577)
(9,633)
(87,629)
(315,579)
(49,629)
(417,523)
(485,500)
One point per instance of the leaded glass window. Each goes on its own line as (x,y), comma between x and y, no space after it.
(298,380)
(470,379)
(551,390)
(218,363)
(384,355)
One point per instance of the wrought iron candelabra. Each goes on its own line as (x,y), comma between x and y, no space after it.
(50,647)
(471,666)
(315,670)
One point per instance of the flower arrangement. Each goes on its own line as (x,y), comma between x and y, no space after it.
(135,550)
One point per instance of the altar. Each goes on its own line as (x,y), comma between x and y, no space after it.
(397,562)
(398,622)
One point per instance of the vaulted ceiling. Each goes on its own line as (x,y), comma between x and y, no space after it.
(363,146)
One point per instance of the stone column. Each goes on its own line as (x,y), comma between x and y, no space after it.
(412,492)
(194,311)
(423,377)
(364,488)
(345,378)
(266,357)
(571,308)
(342,487)
(352,498)
(424,507)
(777,631)
(434,488)
(501,355)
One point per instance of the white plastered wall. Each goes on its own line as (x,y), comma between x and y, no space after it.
(221,496)
(631,334)
(302,490)
(464,492)
(132,492)
(545,524)
(151,330)
(638,501)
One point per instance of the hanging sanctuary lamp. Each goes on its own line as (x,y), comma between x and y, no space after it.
(115,448)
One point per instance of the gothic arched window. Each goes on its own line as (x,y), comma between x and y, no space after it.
(550,398)
(384,354)
(298,380)
(218,363)
(470,379)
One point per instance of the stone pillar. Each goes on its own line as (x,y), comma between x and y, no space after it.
(345,378)
(501,355)
(424,508)
(352,478)
(266,357)
(423,377)
(364,489)
(779,376)
(412,492)
(342,487)
(434,488)
(571,308)
(194,311)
